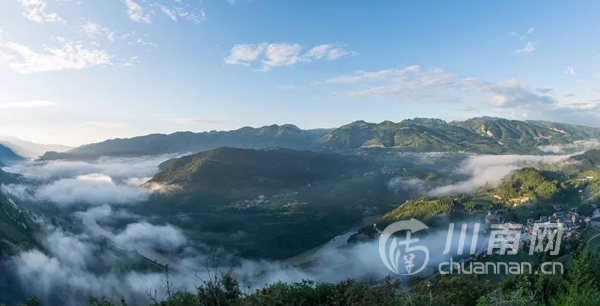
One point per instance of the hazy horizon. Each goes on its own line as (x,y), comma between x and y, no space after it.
(76,72)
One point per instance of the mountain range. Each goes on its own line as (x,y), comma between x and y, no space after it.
(30,149)
(7,155)
(487,135)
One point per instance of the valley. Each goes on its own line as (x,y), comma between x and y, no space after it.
(279,213)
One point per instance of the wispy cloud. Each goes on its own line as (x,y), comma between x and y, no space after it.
(143,42)
(92,30)
(272,55)
(414,83)
(136,12)
(35,10)
(27,104)
(529,46)
(570,71)
(178,12)
(68,56)
(545,88)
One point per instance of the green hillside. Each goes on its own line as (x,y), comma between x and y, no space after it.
(529,184)
(16,229)
(477,135)
(244,199)
(237,169)
(419,135)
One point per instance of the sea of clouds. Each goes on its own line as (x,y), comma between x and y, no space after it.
(96,192)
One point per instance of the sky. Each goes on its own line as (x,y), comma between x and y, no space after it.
(80,71)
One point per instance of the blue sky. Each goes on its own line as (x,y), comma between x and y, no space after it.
(79,71)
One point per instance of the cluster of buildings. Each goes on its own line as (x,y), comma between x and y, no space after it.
(571,222)
(253,202)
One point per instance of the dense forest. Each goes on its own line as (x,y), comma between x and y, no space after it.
(579,286)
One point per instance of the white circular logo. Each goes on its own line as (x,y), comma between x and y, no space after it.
(391,253)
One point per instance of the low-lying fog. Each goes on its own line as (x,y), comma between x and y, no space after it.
(78,264)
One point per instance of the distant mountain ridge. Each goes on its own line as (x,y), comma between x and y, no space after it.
(30,149)
(485,135)
(8,156)
(284,136)
(477,135)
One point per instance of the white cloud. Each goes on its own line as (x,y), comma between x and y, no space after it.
(580,105)
(570,71)
(119,169)
(171,14)
(545,88)
(414,83)
(512,93)
(136,12)
(93,29)
(91,189)
(142,42)
(528,48)
(491,169)
(35,10)
(146,236)
(272,55)
(27,104)
(193,15)
(281,54)
(70,55)
(244,54)
(327,51)
(387,74)
(144,13)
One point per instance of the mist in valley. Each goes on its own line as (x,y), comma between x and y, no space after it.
(93,242)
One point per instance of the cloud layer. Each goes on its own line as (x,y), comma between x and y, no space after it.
(490,169)
(273,55)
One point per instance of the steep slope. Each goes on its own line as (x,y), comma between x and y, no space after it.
(28,148)
(569,130)
(285,136)
(529,134)
(476,135)
(529,184)
(16,230)
(7,155)
(589,160)
(410,135)
(228,168)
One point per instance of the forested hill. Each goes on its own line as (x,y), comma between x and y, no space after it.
(487,135)
(234,169)
(477,135)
